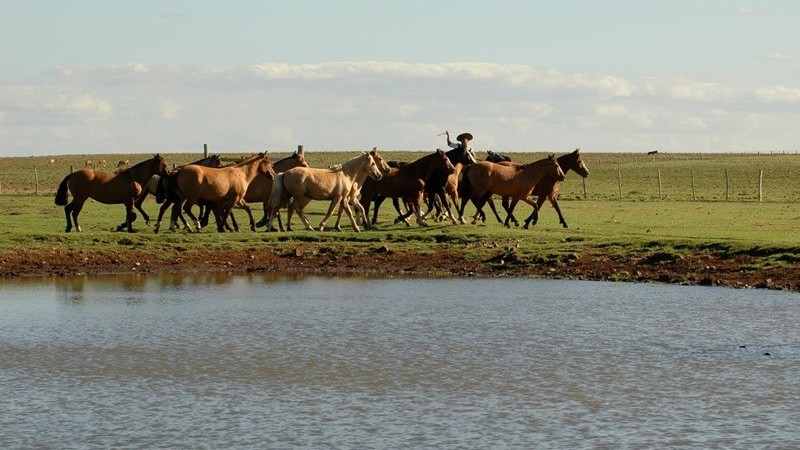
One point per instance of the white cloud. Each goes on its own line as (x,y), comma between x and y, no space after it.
(394,105)
(782,57)
(746,11)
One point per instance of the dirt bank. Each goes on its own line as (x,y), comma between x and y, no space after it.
(592,264)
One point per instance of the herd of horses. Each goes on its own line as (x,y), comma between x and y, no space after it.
(440,181)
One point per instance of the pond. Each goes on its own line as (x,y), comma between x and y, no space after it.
(224,361)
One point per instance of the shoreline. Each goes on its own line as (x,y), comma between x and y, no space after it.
(589,264)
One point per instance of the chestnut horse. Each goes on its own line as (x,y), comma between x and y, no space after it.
(407,182)
(303,184)
(108,188)
(547,189)
(487,178)
(224,187)
(156,186)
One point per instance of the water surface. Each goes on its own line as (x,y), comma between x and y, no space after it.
(221,361)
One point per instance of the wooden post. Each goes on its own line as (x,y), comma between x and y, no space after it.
(760,185)
(619,182)
(299,149)
(205,150)
(71,169)
(660,197)
(727,185)
(584,189)
(36,177)
(692,174)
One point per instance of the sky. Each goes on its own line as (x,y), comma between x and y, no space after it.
(105,76)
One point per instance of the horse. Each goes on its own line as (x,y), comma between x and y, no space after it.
(124,163)
(500,159)
(487,178)
(443,186)
(108,188)
(52,161)
(157,186)
(547,189)
(101,162)
(88,164)
(303,184)
(355,191)
(406,182)
(225,187)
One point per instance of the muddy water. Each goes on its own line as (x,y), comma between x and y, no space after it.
(220,361)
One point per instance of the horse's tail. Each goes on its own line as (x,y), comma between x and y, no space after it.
(61,193)
(278,195)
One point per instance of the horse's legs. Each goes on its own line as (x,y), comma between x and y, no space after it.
(130,216)
(263,220)
(510,212)
(345,204)
(187,208)
(68,213)
(337,200)
(506,203)
(247,209)
(362,214)
(300,204)
(161,212)
(77,205)
(378,200)
(138,205)
(534,217)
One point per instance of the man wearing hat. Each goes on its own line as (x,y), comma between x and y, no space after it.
(463,141)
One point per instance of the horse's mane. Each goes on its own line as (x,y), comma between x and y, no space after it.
(250,159)
(138,165)
(293,155)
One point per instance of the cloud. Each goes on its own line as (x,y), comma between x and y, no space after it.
(746,11)
(175,15)
(394,105)
(782,57)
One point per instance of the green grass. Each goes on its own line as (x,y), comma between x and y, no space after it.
(640,224)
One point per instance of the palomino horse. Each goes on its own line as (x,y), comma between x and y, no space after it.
(487,178)
(547,189)
(355,191)
(303,184)
(407,182)
(157,185)
(108,188)
(225,187)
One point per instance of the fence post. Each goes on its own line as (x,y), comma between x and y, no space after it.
(619,182)
(205,150)
(727,185)
(71,169)
(691,171)
(760,184)
(36,177)
(660,197)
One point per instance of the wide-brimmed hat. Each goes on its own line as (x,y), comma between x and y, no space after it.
(464,136)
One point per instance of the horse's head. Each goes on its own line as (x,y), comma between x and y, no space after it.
(443,162)
(553,169)
(161,164)
(265,166)
(214,161)
(496,157)
(382,164)
(371,167)
(579,166)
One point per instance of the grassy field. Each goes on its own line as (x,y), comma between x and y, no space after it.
(639,224)
(614,176)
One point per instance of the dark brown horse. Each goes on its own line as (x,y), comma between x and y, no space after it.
(109,188)
(547,189)
(406,182)
(224,187)
(487,178)
(442,187)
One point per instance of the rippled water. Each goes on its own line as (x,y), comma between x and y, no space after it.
(219,361)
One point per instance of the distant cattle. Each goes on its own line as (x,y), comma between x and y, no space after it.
(52,161)
(101,163)
(124,162)
(653,152)
(88,163)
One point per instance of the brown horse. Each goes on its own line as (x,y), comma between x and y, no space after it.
(158,185)
(547,189)
(487,178)
(407,182)
(441,187)
(303,184)
(225,187)
(108,188)
(259,190)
